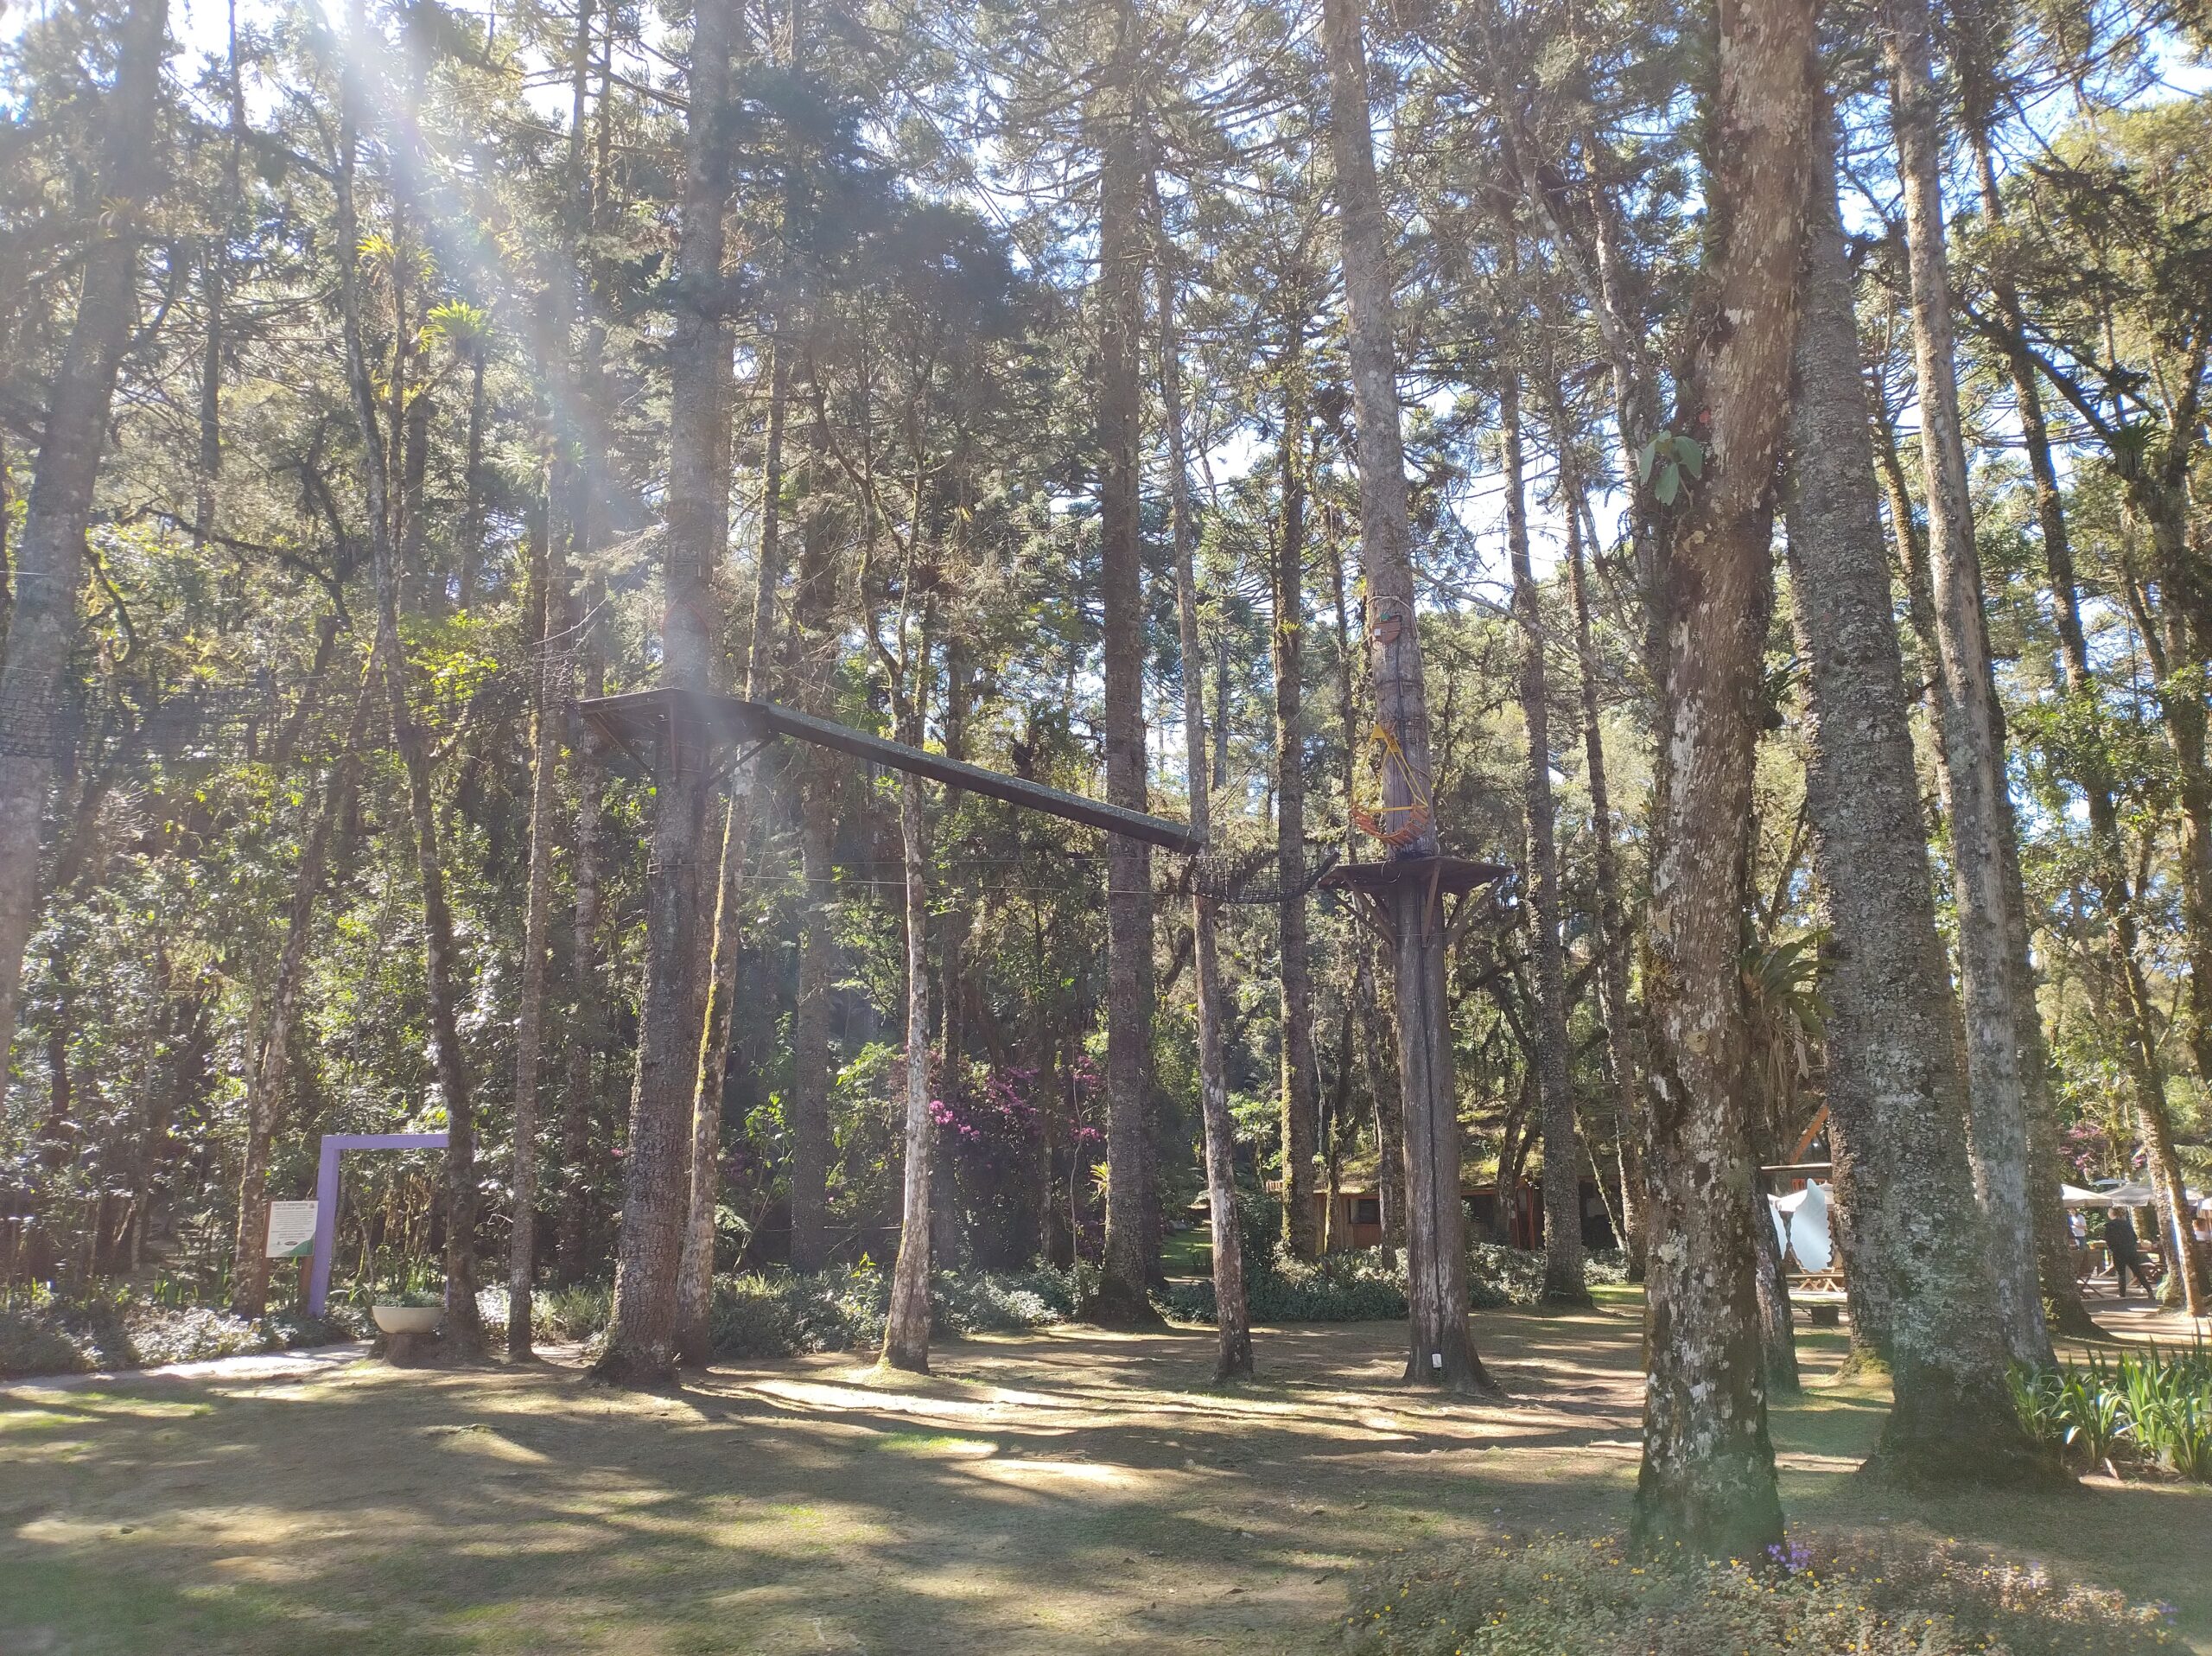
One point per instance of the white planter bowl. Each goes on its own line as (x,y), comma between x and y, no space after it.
(408,1319)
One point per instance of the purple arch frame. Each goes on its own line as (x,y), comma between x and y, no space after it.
(325,1196)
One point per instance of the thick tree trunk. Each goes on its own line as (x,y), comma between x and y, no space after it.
(641,1336)
(537,906)
(1563,1271)
(1121,1293)
(1442,1351)
(1299,1105)
(1973,737)
(270,1056)
(906,1330)
(1232,1319)
(1895,1097)
(49,567)
(1707,1481)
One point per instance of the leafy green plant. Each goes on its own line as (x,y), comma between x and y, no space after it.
(2096,1416)
(1665,460)
(2038,1396)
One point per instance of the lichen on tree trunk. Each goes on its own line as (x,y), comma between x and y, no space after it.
(1708,1480)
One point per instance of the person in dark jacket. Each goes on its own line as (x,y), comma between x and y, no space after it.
(2126,1250)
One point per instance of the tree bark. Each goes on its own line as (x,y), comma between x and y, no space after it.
(587,988)
(1232,1318)
(1121,1293)
(1299,1105)
(640,1346)
(1563,1270)
(538,904)
(49,568)
(1377,1046)
(1442,1351)
(1707,1481)
(1777,1329)
(1973,737)
(906,1329)
(1894,1093)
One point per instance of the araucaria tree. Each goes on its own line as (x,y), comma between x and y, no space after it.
(1350,436)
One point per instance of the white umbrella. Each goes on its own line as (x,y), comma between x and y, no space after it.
(2072,1195)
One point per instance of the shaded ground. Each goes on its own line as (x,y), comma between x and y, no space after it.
(1072,1491)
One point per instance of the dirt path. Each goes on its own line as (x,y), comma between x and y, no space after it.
(1074,1491)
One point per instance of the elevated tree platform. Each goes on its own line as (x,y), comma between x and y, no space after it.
(667,731)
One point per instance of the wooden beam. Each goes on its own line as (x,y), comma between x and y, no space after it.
(627,718)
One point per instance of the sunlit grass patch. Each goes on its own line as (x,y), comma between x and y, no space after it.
(928,1443)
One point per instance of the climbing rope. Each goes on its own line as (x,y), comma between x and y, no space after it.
(1375,817)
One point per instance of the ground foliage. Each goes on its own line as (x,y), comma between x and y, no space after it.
(1368,1284)
(1557,1594)
(83,1333)
(2149,1411)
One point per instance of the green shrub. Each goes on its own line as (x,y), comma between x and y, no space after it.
(110,1328)
(779,1315)
(1560,1593)
(1358,1285)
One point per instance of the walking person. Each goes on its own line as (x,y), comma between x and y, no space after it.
(2126,1250)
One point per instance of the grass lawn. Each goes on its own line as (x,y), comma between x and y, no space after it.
(1069,1491)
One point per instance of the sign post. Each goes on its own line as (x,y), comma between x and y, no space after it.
(291,1230)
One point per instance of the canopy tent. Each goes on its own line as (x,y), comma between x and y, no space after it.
(2119,1196)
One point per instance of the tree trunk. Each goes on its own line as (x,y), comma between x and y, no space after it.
(695,1290)
(537,903)
(1777,1332)
(810,1034)
(268,1057)
(952,949)
(1232,1318)
(1122,1295)
(50,547)
(1973,737)
(1611,943)
(641,1337)
(818,811)
(906,1329)
(1442,1351)
(463,1326)
(1299,1104)
(1377,1047)
(587,988)
(1563,1271)
(470,551)
(1894,1093)
(1707,1481)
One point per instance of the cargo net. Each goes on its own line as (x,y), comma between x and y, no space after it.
(1256,874)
